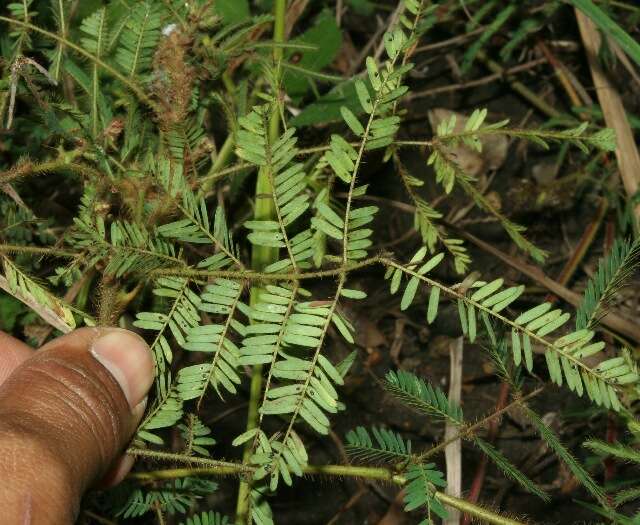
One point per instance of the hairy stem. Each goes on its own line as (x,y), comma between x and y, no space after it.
(466,431)
(221,468)
(62,40)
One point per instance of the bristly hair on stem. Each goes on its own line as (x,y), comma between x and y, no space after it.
(153,230)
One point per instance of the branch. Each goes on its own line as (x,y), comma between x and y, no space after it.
(222,468)
(611,320)
(109,69)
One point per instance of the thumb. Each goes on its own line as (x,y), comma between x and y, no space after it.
(66,415)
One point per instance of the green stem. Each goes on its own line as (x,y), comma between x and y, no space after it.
(210,464)
(27,168)
(250,275)
(218,468)
(480,513)
(38,250)
(261,257)
(221,160)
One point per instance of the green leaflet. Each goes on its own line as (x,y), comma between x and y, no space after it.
(564,357)
(207,518)
(233,11)
(385,447)
(352,121)
(139,38)
(353,294)
(419,492)
(612,274)
(432,308)
(149,222)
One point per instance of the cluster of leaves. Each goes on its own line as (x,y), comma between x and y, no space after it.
(132,139)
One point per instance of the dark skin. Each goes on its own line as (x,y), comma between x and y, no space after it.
(67,413)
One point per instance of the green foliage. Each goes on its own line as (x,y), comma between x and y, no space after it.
(195,227)
(566,356)
(181,316)
(207,518)
(174,497)
(196,436)
(416,393)
(30,292)
(609,27)
(139,38)
(164,413)
(613,273)
(419,492)
(222,298)
(287,181)
(388,447)
(326,38)
(565,455)
(420,395)
(157,230)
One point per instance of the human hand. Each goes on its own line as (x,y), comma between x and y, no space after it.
(67,413)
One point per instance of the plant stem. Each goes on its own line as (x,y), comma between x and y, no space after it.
(250,275)
(38,250)
(371,473)
(480,513)
(261,257)
(41,168)
(209,464)
(109,69)
(221,160)
(467,431)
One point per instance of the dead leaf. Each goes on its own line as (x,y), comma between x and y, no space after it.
(494,147)
(373,358)
(440,345)
(347,55)
(9,190)
(494,199)
(398,340)
(368,334)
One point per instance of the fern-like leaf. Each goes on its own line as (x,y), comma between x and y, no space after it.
(165,413)
(613,272)
(288,183)
(196,227)
(139,38)
(96,31)
(561,451)
(420,395)
(565,356)
(223,299)
(388,447)
(180,318)
(207,518)
(422,481)
(174,497)
(18,284)
(196,435)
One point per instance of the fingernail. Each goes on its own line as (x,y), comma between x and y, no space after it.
(138,410)
(128,358)
(117,473)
